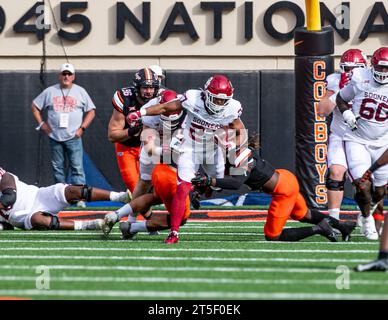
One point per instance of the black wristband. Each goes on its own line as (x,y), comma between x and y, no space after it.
(374,166)
(83,128)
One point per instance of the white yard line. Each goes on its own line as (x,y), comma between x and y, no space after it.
(159,258)
(192,250)
(174,269)
(199,294)
(284,281)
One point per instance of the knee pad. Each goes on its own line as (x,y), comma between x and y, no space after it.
(335,185)
(54,223)
(86,192)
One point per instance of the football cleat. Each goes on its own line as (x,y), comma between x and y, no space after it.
(327,231)
(109,221)
(344,228)
(81,204)
(368,228)
(153,233)
(347,228)
(93,224)
(125,196)
(125,228)
(376,265)
(173,237)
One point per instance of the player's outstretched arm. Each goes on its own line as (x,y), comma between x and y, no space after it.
(327,104)
(228,182)
(116,131)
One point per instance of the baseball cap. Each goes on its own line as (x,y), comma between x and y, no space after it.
(67,67)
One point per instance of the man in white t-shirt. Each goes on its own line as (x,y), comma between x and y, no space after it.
(66,104)
(368,138)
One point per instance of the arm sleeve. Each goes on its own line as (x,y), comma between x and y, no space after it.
(231,182)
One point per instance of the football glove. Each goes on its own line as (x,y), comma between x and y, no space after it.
(365,177)
(195,199)
(345,78)
(350,119)
(133,119)
(201,180)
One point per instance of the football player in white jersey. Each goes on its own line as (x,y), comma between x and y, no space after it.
(381,264)
(336,161)
(209,112)
(368,138)
(29,207)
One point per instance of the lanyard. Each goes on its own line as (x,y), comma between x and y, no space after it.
(65,97)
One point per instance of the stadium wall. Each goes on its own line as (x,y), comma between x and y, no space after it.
(189,34)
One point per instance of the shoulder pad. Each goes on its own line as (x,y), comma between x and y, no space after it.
(359,75)
(332,81)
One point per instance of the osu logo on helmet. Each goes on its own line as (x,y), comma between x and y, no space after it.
(146,78)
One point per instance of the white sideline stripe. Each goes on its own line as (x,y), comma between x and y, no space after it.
(115,241)
(192,250)
(175,269)
(193,280)
(156,258)
(199,294)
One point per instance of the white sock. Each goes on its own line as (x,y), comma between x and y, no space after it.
(78,225)
(138,227)
(113,196)
(124,211)
(335,213)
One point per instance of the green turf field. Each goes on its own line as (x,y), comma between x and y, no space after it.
(214,260)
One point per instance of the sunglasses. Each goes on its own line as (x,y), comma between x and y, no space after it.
(67,74)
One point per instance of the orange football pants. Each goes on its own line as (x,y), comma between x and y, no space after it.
(164,179)
(287,202)
(128,161)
